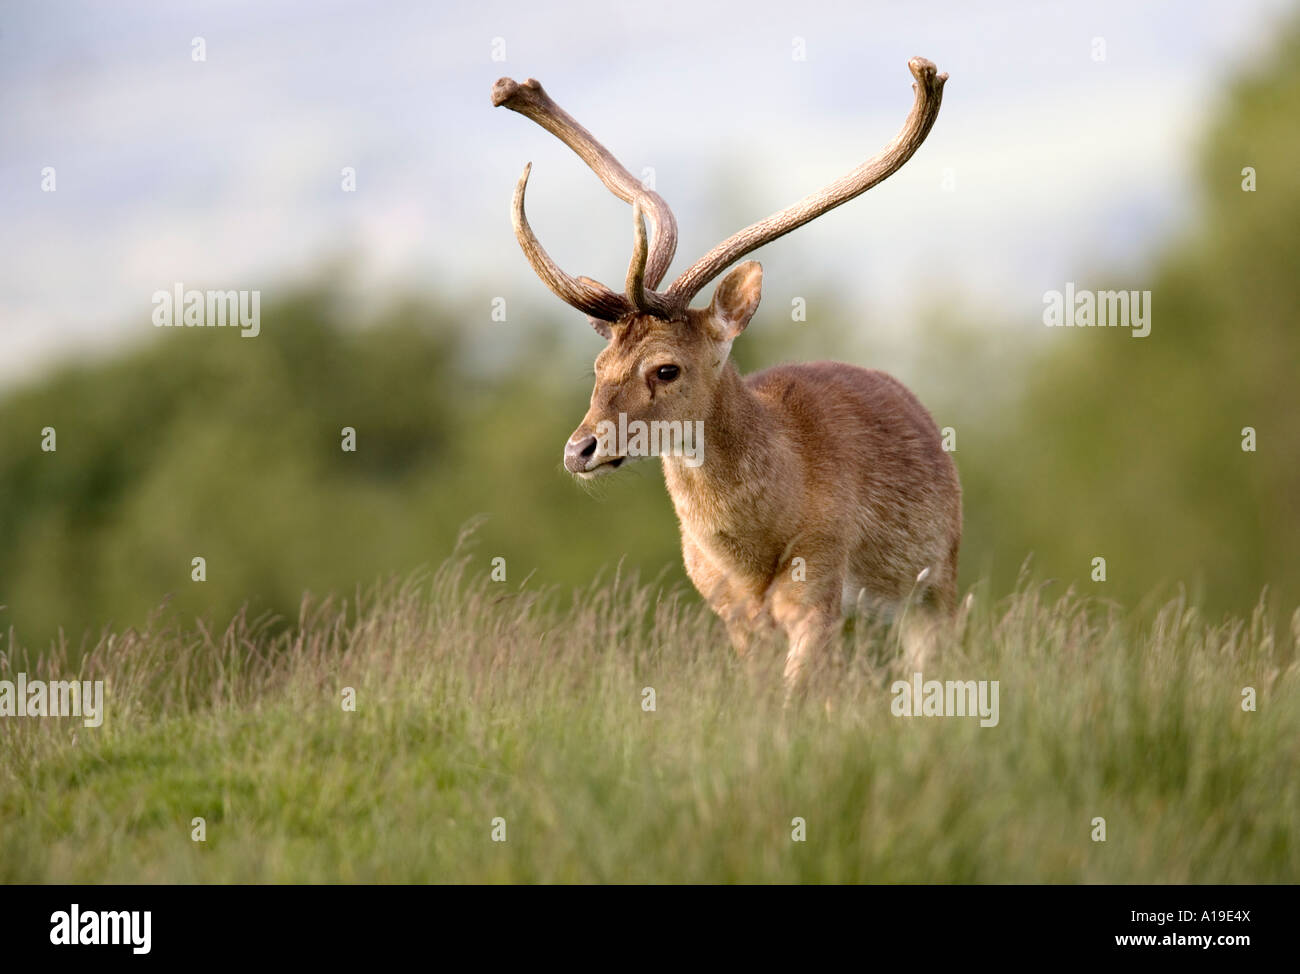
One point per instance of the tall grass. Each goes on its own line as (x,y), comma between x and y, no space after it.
(478,701)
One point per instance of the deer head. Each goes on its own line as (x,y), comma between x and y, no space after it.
(665,360)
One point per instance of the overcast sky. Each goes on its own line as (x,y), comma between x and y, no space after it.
(225,172)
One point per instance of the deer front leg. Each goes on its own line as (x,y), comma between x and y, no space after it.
(804,601)
(741,611)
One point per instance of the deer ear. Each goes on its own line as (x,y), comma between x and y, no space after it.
(736,300)
(602,327)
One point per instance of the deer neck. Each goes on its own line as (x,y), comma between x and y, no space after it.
(739,456)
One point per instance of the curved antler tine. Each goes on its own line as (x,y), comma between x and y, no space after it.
(531,100)
(636,268)
(638,295)
(665,240)
(929,94)
(594,300)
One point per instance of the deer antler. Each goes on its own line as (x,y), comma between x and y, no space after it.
(531,100)
(929,93)
(586,295)
(650,258)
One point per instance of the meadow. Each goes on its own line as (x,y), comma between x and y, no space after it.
(505,734)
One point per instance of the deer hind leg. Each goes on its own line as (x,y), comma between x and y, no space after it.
(919,632)
(926,624)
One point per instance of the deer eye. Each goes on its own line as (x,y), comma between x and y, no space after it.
(667,373)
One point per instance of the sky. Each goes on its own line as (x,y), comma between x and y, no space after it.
(1063,146)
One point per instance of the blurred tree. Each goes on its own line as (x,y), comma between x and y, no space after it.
(1131,448)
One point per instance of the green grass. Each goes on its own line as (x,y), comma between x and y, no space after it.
(478,700)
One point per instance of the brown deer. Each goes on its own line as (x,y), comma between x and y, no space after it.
(820,485)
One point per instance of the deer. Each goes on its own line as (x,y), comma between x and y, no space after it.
(821,488)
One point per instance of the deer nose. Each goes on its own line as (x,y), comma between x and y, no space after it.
(577,452)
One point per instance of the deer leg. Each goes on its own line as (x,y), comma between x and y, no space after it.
(808,610)
(740,611)
(919,632)
(927,623)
